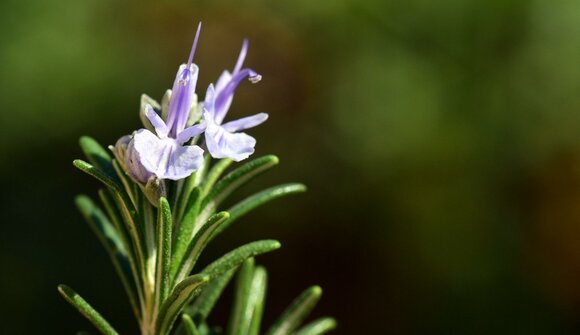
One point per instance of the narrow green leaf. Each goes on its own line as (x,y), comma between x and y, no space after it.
(204,303)
(249,298)
(181,294)
(126,203)
(296,312)
(184,198)
(114,215)
(185,230)
(213,175)
(237,256)
(233,181)
(148,224)
(196,246)
(131,188)
(101,225)
(102,176)
(173,191)
(163,258)
(114,245)
(202,171)
(121,197)
(113,212)
(257,299)
(263,197)
(318,327)
(97,155)
(241,315)
(258,199)
(134,227)
(188,325)
(85,309)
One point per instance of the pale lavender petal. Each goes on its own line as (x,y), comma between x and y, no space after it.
(184,161)
(153,151)
(212,91)
(223,97)
(156,121)
(183,92)
(190,132)
(223,144)
(223,80)
(245,122)
(209,102)
(133,165)
(182,97)
(242,56)
(164,157)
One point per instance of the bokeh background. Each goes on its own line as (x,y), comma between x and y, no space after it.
(440,141)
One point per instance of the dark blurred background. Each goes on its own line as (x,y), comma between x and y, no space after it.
(440,141)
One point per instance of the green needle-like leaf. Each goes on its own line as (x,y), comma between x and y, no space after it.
(318,327)
(114,215)
(110,239)
(125,203)
(237,256)
(182,293)
(101,225)
(249,298)
(197,245)
(113,212)
(188,325)
(259,199)
(257,299)
(185,230)
(296,312)
(241,316)
(204,303)
(97,155)
(110,181)
(233,181)
(163,243)
(184,199)
(85,309)
(213,175)
(263,197)
(131,188)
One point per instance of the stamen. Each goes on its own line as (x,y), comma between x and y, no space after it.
(192,52)
(242,56)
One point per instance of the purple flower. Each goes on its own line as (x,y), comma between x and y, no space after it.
(165,154)
(224,140)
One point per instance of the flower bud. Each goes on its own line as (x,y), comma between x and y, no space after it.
(154,189)
(119,150)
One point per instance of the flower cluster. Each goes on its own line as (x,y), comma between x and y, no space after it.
(165,150)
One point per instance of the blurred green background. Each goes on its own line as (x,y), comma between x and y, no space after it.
(440,141)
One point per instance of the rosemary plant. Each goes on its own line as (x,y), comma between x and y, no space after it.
(164,186)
